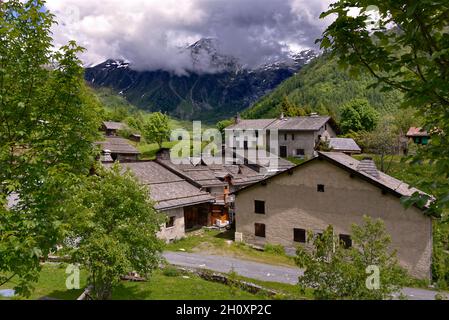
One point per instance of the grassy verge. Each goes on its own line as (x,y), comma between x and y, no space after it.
(222,244)
(161,286)
(52,284)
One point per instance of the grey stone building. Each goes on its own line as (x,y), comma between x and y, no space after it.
(296,136)
(334,189)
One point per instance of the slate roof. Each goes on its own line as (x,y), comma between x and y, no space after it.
(384,181)
(112,125)
(344,144)
(416,132)
(251,124)
(166,188)
(117,145)
(310,123)
(207,176)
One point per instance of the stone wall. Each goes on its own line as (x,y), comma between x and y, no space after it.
(178,230)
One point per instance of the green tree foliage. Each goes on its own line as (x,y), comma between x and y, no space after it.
(336,272)
(383,141)
(156,128)
(406,51)
(289,109)
(116,226)
(358,115)
(323,88)
(223,124)
(48,123)
(440,259)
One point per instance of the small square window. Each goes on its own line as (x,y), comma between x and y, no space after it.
(300,152)
(299,235)
(259,230)
(320,188)
(345,241)
(259,207)
(170,223)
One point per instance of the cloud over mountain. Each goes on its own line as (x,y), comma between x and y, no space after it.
(151,33)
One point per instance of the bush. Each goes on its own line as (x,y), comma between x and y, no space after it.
(275,249)
(171,272)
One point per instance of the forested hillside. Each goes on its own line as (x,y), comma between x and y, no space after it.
(322,87)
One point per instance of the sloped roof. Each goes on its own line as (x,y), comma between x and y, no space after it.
(416,132)
(251,124)
(309,123)
(344,144)
(384,181)
(402,188)
(207,176)
(198,174)
(112,125)
(166,188)
(117,145)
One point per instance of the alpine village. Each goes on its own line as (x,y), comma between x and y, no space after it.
(135,171)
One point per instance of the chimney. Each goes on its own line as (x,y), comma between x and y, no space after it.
(368,166)
(281,117)
(237,118)
(163,154)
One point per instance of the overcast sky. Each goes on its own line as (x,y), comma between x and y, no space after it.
(149,32)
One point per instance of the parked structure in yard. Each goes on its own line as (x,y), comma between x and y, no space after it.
(111,128)
(334,189)
(297,136)
(118,149)
(418,135)
(345,145)
(185,205)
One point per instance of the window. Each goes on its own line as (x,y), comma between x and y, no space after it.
(293,136)
(245,145)
(170,223)
(320,188)
(318,235)
(345,240)
(300,152)
(299,235)
(259,230)
(285,136)
(259,207)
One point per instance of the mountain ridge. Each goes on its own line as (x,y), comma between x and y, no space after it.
(217,87)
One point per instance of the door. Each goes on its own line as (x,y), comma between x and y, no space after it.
(283,151)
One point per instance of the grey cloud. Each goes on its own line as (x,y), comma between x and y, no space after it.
(149,33)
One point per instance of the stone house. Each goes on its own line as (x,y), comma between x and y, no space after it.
(118,149)
(334,189)
(218,180)
(186,206)
(111,128)
(418,135)
(296,136)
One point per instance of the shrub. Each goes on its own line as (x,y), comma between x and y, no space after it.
(274,248)
(171,272)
